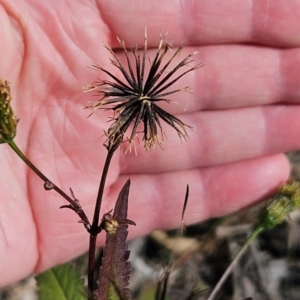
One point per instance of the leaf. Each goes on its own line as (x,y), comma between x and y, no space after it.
(60,283)
(115,270)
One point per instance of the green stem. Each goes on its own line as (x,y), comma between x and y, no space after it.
(49,185)
(224,277)
(17,150)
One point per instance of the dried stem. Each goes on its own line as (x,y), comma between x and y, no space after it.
(224,277)
(49,185)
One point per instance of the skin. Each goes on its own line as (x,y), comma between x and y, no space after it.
(244,110)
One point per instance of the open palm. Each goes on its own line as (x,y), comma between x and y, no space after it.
(243,109)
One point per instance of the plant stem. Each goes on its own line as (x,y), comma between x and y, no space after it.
(91,266)
(109,156)
(95,225)
(222,280)
(17,150)
(48,185)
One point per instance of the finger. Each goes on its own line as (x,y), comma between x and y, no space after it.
(233,76)
(206,22)
(220,137)
(239,76)
(214,191)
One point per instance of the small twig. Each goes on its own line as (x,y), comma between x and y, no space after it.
(49,185)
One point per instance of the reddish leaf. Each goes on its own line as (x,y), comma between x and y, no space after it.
(115,270)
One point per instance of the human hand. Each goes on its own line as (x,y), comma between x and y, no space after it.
(243,109)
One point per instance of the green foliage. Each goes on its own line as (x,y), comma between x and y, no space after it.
(60,283)
(281,205)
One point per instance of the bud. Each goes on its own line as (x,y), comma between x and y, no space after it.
(109,224)
(283,203)
(8,121)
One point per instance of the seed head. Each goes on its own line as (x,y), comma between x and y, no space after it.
(279,207)
(8,121)
(134,100)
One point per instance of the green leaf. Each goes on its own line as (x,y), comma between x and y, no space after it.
(60,283)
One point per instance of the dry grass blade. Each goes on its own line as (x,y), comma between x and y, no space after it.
(161,288)
(182,229)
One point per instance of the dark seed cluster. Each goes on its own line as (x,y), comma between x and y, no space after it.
(134,99)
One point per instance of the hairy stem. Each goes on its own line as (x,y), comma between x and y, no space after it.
(95,230)
(49,185)
(224,277)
